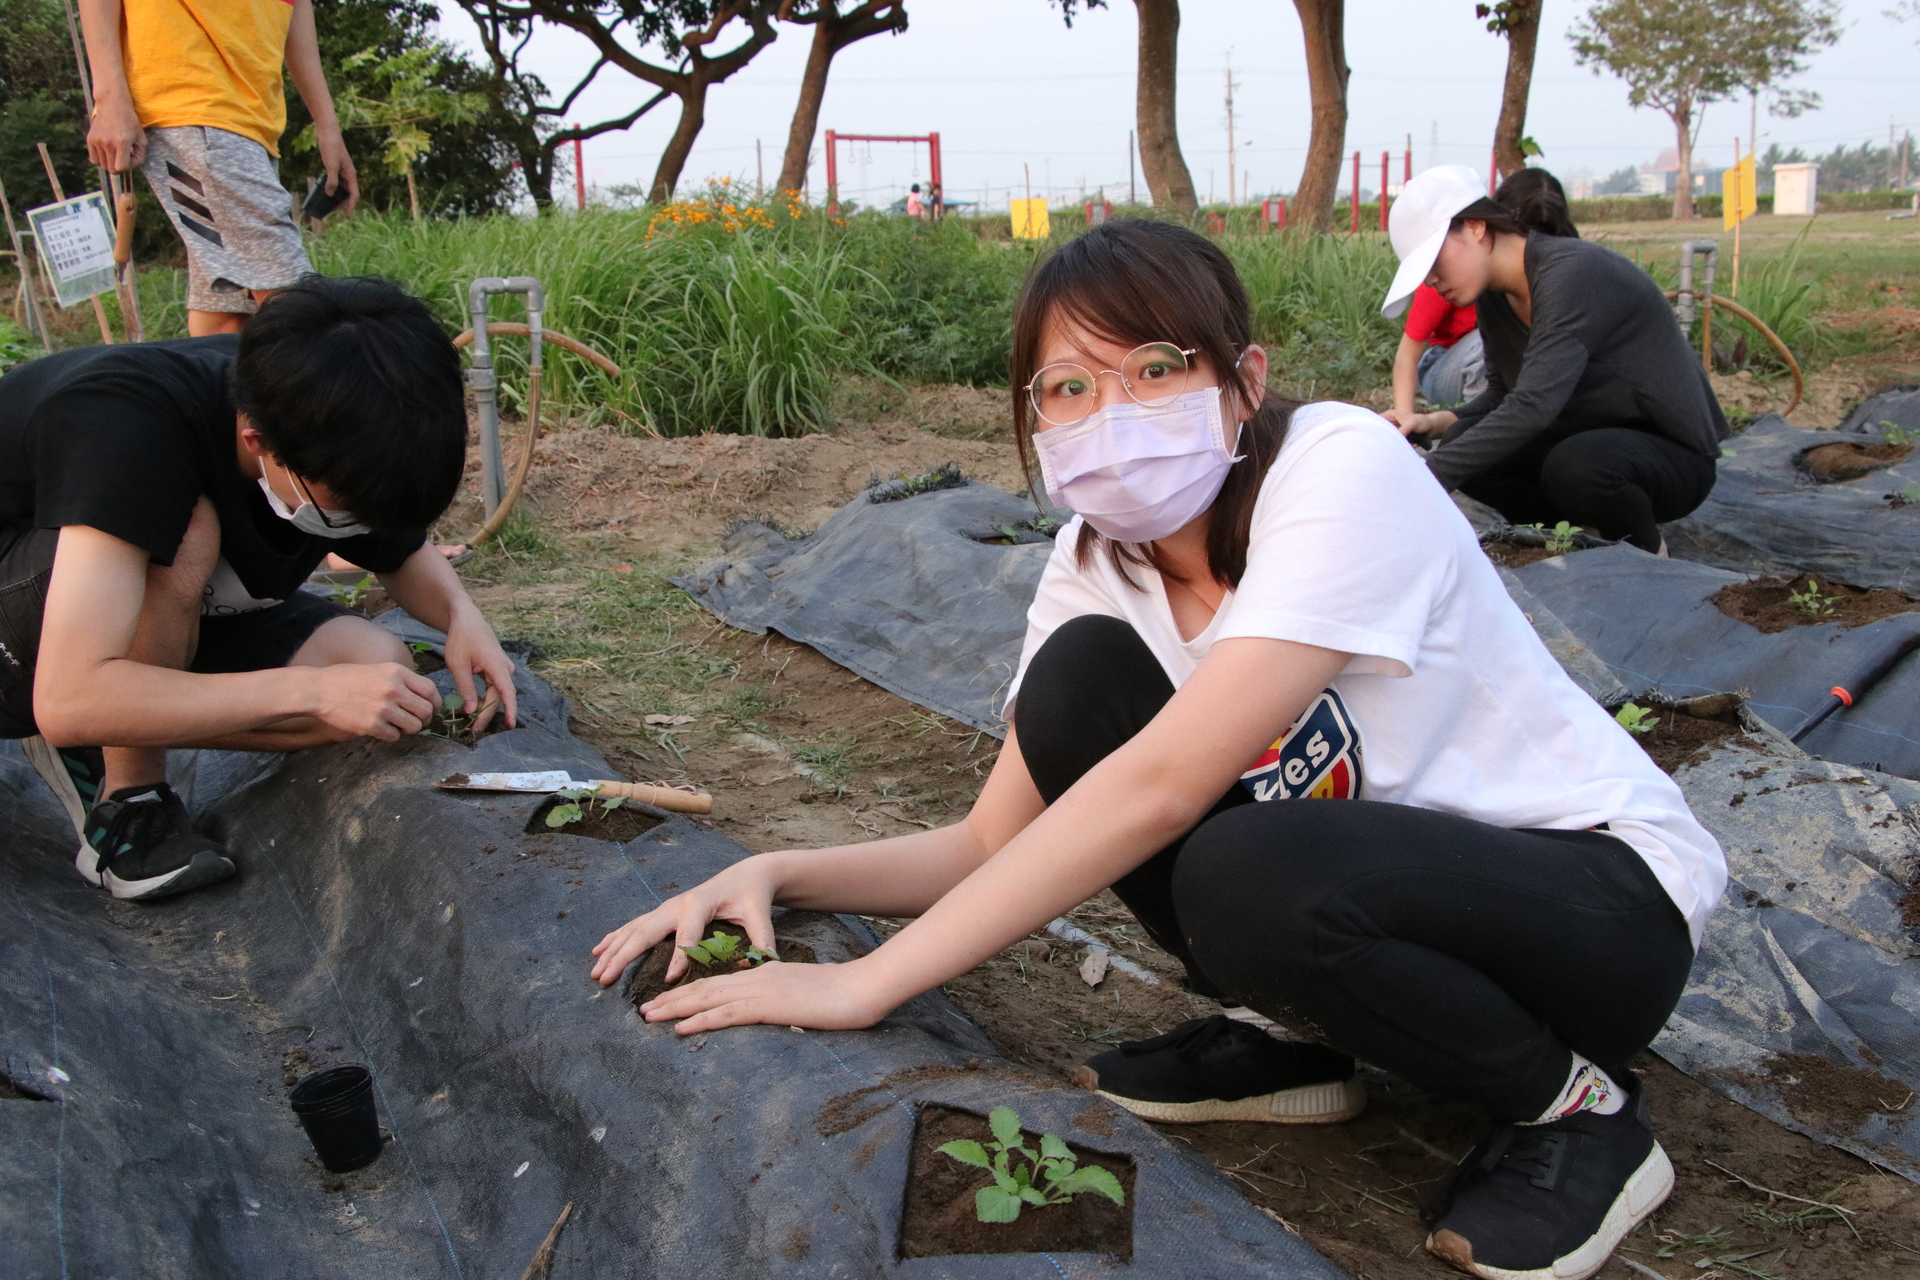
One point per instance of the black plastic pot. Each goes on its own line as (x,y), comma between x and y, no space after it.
(335,1107)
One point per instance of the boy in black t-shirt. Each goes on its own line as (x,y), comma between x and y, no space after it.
(160,505)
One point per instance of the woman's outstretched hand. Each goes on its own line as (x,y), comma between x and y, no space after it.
(743,893)
(822,997)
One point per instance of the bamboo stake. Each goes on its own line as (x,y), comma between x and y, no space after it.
(35,320)
(99,312)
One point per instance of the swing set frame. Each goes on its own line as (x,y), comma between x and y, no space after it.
(834,140)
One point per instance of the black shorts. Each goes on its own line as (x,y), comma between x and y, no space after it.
(256,641)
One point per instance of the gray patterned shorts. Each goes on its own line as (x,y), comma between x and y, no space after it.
(223,194)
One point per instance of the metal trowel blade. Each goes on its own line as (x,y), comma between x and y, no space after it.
(553,780)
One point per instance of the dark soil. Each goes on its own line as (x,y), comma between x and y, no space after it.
(1831,1095)
(426,662)
(619,825)
(1762,603)
(459,728)
(1910,906)
(939,1217)
(1829,463)
(650,978)
(1516,554)
(1680,738)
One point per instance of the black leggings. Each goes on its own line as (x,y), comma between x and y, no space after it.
(1617,481)
(1465,958)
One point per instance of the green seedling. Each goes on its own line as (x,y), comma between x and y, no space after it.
(451,716)
(352,595)
(1049,1176)
(1893,433)
(1810,601)
(571,809)
(417,647)
(1560,539)
(1635,719)
(724,949)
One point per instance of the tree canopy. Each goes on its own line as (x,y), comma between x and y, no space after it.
(1678,56)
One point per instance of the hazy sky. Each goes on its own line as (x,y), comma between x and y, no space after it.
(1006,84)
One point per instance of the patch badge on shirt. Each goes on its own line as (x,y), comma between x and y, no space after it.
(1318,758)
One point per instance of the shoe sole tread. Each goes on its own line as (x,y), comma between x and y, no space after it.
(1329,1103)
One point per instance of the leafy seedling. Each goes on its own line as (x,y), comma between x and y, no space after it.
(1893,433)
(571,809)
(1810,601)
(451,716)
(1039,1178)
(1560,539)
(418,647)
(723,950)
(1636,719)
(352,595)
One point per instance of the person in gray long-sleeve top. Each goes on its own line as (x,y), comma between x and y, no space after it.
(1596,411)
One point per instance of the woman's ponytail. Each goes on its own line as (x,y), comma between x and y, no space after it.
(1530,200)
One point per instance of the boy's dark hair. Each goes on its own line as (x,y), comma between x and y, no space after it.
(356,386)
(1530,200)
(1134,282)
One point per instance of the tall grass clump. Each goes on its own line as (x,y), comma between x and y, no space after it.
(1316,307)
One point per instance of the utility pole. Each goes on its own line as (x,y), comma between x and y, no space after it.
(1231,158)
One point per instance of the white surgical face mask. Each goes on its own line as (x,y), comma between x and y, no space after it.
(306,518)
(1137,474)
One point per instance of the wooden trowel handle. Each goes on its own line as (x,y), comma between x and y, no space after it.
(669,798)
(126,207)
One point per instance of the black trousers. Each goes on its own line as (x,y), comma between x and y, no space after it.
(1465,958)
(1617,481)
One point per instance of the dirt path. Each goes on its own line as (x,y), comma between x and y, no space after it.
(799,753)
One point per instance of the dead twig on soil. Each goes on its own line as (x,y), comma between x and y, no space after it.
(1641,1267)
(542,1265)
(1818,1204)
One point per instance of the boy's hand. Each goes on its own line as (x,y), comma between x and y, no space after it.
(115,140)
(376,700)
(471,648)
(338,165)
(743,893)
(825,997)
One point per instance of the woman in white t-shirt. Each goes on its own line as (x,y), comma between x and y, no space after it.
(1494,894)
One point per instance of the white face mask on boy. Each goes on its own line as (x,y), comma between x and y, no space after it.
(308,518)
(1135,473)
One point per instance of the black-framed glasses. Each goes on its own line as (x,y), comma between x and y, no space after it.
(1153,374)
(306,495)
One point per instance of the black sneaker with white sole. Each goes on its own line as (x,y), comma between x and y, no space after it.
(139,844)
(1550,1201)
(1220,1069)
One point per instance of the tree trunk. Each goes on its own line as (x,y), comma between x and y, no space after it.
(1683,151)
(1165,168)
(1322,24)
(1523,34)
(413,194)
(693,115)
(806,113)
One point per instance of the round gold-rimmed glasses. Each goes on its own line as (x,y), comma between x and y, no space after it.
(1153,375)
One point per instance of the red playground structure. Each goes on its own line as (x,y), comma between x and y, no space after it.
(833,161)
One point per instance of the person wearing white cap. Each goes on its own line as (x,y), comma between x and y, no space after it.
(1596,411)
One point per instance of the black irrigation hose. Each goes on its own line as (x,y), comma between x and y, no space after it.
(1845,695)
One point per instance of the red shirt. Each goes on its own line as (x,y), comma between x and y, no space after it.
(1434,320)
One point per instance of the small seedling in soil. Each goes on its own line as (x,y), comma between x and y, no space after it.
(1560,538)
(1893,433)
(353,595)
(453,722)
(1811,602)
(571,809)
(1023,1176)
(1636,719)
(723,951)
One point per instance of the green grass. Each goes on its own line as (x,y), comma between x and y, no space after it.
(750,330)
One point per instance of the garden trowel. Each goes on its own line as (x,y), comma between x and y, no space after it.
(671,798)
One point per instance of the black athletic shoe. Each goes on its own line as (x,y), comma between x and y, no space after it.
(1218,1069)
(139,844)
(1550,1201)
(73,773)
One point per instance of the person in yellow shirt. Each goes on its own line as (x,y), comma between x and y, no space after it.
(189,92)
